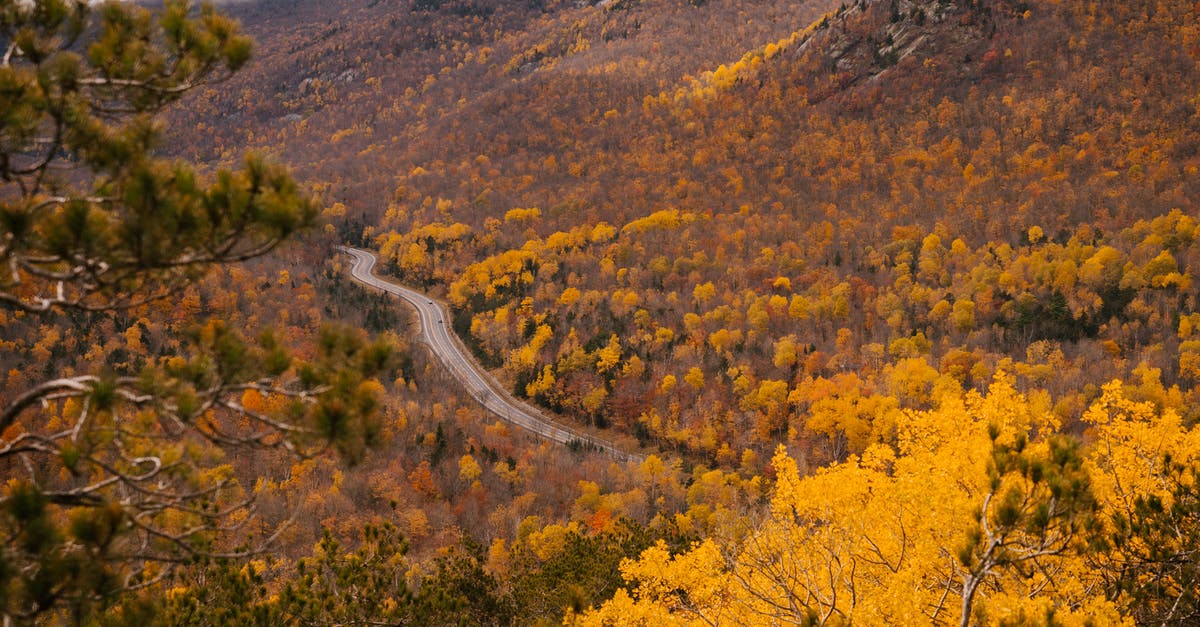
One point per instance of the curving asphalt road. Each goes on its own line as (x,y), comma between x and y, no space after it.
(436,333)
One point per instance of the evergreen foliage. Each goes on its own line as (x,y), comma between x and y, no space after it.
(116,478)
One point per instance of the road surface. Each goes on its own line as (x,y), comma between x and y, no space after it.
(481,386)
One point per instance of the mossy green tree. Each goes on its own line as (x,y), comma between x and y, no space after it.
(113,480)
(584,574)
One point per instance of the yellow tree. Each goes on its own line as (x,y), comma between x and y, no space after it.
(968,519)
(1144,466)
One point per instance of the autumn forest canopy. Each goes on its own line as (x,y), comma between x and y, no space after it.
(892,303)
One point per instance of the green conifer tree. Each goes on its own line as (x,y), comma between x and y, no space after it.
(113,480)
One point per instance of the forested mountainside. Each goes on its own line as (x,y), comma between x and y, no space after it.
(808,208)
(897,297)
(833,227)
(360,91)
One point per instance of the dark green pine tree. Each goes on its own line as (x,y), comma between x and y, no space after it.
(1040,505)
(586,573)
(128,485)
(1151,554)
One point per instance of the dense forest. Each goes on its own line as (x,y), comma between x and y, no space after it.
(893,300)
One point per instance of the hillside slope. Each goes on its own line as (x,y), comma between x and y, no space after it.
(895,198)
(356,92)
(816,215)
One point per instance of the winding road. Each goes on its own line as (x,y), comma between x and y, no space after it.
(480,385)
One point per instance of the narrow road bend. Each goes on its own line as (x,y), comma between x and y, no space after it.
(477,382)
